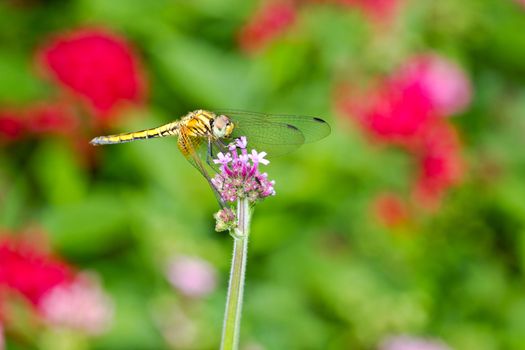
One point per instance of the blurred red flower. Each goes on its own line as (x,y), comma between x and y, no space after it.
(60,295)
(97,66)
(30,272)
(441,165)
(391,210)
(54,118)
(37,119)
(270,21)
(12,126)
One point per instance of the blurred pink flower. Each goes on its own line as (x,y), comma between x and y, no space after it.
(192,276)
(391,210)
(412,343)
(81,305)
(445,84)
(12,126)
(269,22)
(97,66)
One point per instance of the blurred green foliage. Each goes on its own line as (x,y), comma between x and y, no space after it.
(323,273)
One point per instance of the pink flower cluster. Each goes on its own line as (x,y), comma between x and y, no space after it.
(58,294)
(409,109)
(239,175)
(269,22)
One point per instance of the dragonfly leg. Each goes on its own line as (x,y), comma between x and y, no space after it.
(222,146)
(209,154)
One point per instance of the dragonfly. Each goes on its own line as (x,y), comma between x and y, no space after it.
(201,134)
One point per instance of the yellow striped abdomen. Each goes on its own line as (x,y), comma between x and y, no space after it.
(171,129)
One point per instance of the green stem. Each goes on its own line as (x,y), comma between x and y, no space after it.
(232,316)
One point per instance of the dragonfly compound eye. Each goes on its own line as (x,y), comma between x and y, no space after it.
(222,127)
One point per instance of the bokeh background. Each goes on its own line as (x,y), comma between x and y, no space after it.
(403,230)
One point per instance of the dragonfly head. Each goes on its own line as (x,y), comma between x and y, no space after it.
(222,126)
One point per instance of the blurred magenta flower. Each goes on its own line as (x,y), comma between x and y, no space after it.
(192,276)
(406,109)
(391,210)
(97,66)
(81,305)
(392,112)
(400,108)
(271,20)
(412,343)
(445,84)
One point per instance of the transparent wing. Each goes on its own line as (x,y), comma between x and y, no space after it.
(278,129)
(189,146)
(194,148)
(273,138)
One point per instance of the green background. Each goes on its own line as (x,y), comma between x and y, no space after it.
(323,273)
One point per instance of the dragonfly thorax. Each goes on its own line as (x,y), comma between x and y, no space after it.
(222,126)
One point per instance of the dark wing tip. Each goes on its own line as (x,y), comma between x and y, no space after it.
(290,126)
